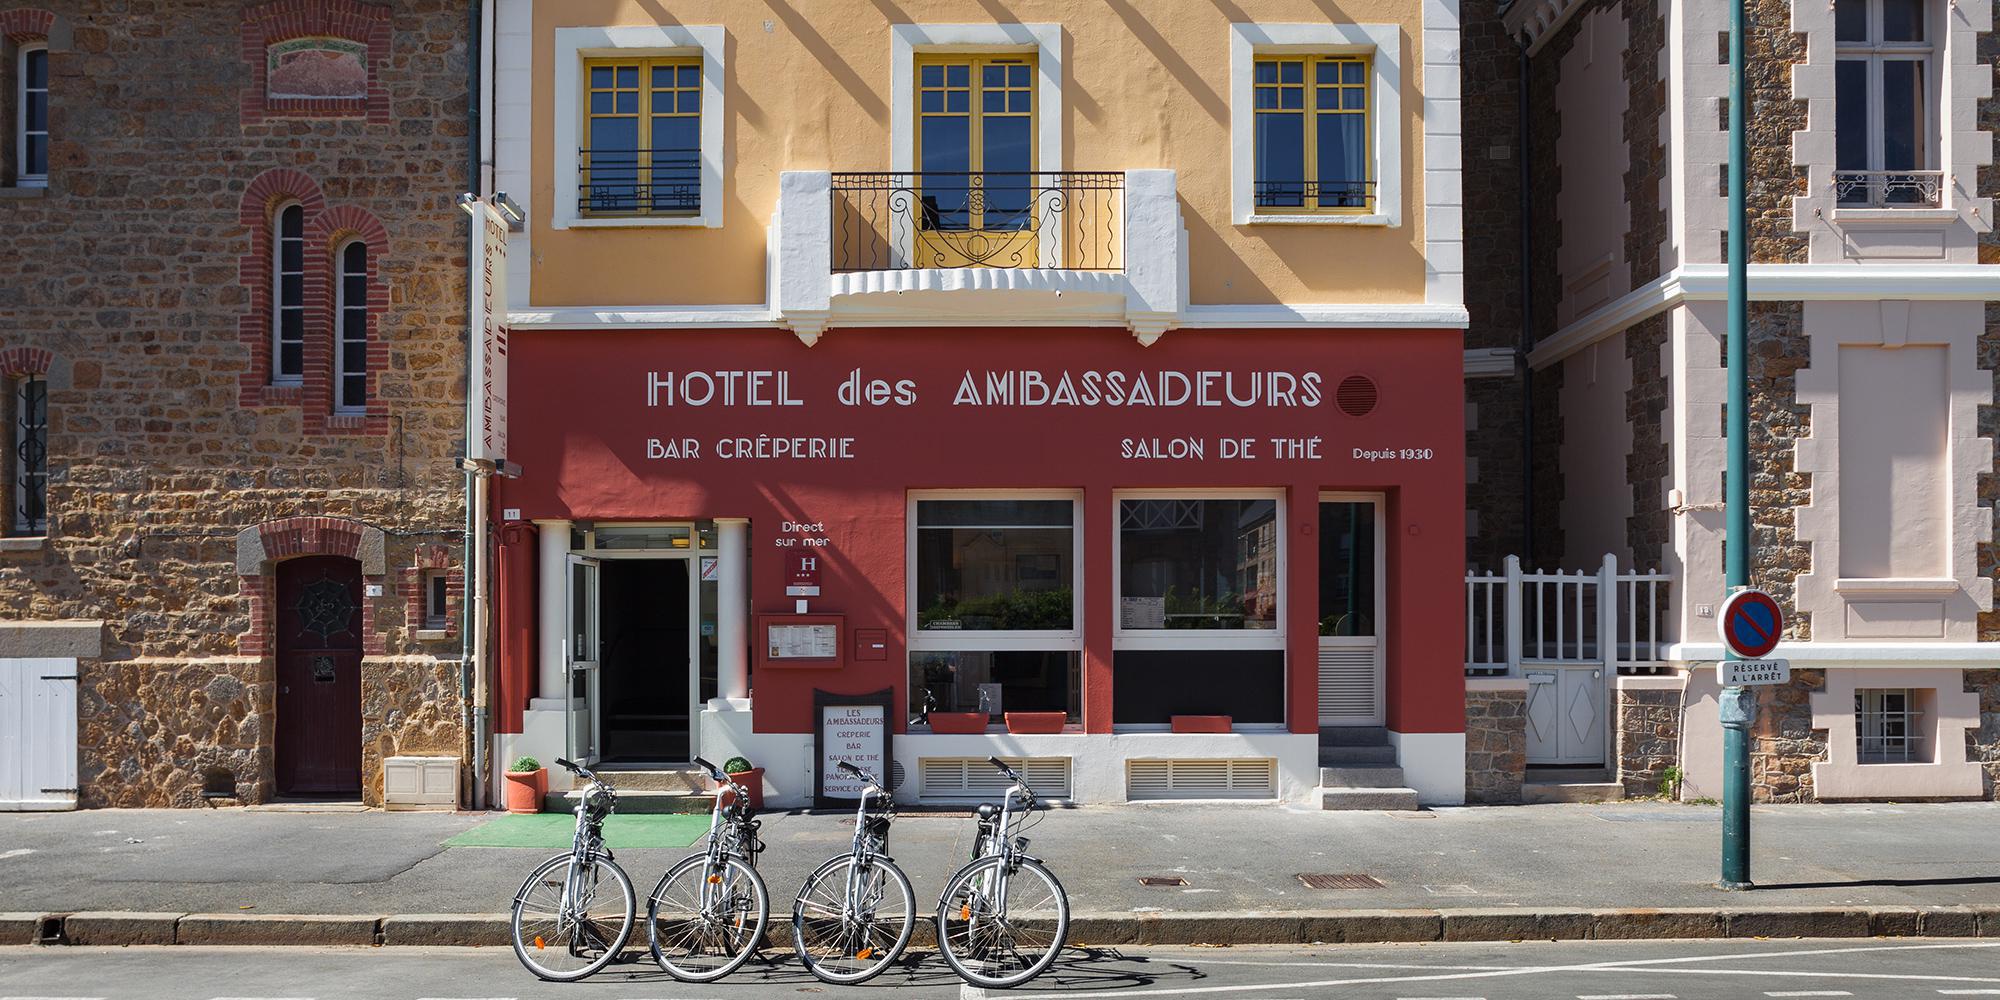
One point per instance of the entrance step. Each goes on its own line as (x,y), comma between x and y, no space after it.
(1575,791)
(1356,756)
(1361,777)
(1368,798)
(1366,736)
(638,801)
(667,779)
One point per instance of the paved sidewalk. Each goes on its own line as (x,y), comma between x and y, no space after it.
(1235,858)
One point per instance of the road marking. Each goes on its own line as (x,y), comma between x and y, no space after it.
(51,998)
(1807,993)
(1628,996)
(16,853)
(1970,993)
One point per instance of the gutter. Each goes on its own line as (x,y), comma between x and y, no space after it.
(473,718)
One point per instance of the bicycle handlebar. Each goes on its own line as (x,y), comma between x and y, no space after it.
(1015,777)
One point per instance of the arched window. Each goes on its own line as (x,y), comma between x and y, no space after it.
(30,419)
(31,132)
(350,356)
(288,296)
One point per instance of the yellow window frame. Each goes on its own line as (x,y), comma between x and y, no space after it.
(1312,93)
(647,93)
(976,114)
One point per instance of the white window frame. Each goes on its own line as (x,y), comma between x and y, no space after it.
(573,47)
(25,179)
(988,640)
(1874,53)
(907,41)
(340,308)
(278,376)
(1381,43)
(1208,639)
(436,601)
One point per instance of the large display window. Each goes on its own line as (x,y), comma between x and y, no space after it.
(995,621)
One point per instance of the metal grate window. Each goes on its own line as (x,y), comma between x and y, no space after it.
(1888,727)
(31,456)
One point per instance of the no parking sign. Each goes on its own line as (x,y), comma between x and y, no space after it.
(1751,625)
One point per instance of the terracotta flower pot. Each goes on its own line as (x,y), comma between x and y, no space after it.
(1202,723)
(1036,723)
(958,723)
(525,790)
(753,784)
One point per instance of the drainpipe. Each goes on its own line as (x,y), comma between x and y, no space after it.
(472,715)
(1527,344)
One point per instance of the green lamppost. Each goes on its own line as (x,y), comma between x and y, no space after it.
(1737,705)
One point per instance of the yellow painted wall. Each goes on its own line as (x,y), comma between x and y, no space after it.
(1147,85)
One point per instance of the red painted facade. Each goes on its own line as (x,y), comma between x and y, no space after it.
(580,424)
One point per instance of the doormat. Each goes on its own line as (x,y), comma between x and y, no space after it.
(552,831)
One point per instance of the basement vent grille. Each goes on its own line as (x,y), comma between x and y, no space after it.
(1245,778)
(973,777)
(1322,880)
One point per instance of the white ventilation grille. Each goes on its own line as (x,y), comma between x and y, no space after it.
(1350,685)
(1243,778)
(973,777)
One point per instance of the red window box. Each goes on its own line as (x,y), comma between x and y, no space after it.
(1036,723)
(1202,723)
(958,723)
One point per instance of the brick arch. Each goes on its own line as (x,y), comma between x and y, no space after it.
(261,199)
(18,361)
(267,24)
(261,547)
(325,235)
(26,24)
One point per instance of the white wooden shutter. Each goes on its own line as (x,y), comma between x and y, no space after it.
(973,777)
(37,734)
(1350,685)
(1233,778)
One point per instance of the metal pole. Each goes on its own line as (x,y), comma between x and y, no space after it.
(1737,705)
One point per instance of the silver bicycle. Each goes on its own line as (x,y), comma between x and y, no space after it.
(575,911)
(854,915)
(707,915)
(1003,918)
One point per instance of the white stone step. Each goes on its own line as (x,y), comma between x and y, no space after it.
(1361,777)
(1368,798)
(1578,791)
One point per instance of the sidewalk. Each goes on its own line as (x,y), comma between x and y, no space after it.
(1236,859)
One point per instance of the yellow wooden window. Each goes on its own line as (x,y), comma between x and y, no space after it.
(976,141)
(642,150)
(1312,134)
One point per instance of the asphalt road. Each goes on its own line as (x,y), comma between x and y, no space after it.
(1592,970)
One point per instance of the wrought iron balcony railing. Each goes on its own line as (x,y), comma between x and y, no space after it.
(1889,188)
(993,219)
(1315,196)
(613,182)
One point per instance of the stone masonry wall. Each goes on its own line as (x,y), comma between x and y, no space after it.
(1983,744)
(1783,744)
(129,271)
(1649,735)
(1771,50)
(1778,349)
(1650,528)
(1496,746)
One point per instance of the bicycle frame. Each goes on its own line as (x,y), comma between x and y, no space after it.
(725,833)
(585,846)
(864,852)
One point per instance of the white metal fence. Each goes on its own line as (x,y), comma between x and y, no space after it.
(1517,617)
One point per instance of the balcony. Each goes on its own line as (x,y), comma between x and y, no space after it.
(1888,188)
(1055,249)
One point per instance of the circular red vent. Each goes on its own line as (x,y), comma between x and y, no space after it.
(1356,395)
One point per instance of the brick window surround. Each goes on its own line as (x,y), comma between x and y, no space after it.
(268,24)
(267,193)
(15,363)
(430,558)
(19,26)
(259,549)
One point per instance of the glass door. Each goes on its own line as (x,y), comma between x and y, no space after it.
(1350,611)
(981,204)
(580,652)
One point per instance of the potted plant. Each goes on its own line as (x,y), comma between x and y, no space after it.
(527,782)
(1031,723)
(751,778)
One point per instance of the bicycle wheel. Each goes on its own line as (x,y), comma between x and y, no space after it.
(566,924)
(705,923)
(845,938)
(995,940)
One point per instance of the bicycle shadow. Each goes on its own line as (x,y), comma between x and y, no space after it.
(1080,969)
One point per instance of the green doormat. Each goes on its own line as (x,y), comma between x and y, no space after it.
(553,831)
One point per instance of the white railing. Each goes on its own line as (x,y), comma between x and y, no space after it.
(1517,617)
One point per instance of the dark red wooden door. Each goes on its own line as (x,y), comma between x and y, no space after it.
(318,625)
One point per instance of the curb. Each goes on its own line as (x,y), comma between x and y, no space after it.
(1215,928)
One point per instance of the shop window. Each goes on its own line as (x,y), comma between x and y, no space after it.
(642,146)
(1884,104)
(351,330)
(30,426)
(993,597)
(1889,726)
(1312,134)
(976,142)
(31,117)
(288,295)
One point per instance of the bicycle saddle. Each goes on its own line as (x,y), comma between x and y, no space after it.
(987,810)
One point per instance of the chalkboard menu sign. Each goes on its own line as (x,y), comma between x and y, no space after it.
(852,728)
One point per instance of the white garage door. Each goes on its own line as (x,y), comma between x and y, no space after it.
(37,734)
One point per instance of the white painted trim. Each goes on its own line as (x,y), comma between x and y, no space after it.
(984,639)
(1433,764)
(573,46)
(1387,315)
(1361,316)
(1473,684)
(1272,638)
(1382,44)
(639,317)
(1537,21)
(1444,181)
(1044,40)
(1916,655)
(511,118)
(1486,362)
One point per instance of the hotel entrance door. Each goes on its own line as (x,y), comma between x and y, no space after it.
(634,692)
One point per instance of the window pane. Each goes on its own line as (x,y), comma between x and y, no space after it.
(292,288)
(356,261)
(1850,20)
(292,324)
(1008,195)
(628,103)
(1281,159)
(995,565)
(628,76)
(600,103)
(291,359)
(354,391)
(690,76)
(1291,97)
(1291,72)
(958,76)
(38,112)
(1153,686)
(993,76)
(1018,100)
(1351,72)
(610,135)
(292,223)
(932,76)
(1347,568)
(689,102)
(997,682)
(1902,21)
(933,101)
(1017,75)
(354,353)
(600,76)
(1267,72)
(1902,115)
(1343,161)
(291,255)
(38,69)
(38,155)
(1198,564)
(956,101)
(993,100)
(947,150)
(1850,118)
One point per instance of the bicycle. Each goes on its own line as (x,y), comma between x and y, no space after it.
(1003,918)
(707,915)
(574,928)
(854,915)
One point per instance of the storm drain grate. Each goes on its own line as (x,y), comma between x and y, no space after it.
(1162,880)
(1322,880)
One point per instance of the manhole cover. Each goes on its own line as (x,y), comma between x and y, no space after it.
(1321,880)
(1162,880)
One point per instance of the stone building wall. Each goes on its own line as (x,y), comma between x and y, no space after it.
(1649,734)
(1783,743)
(1774,115)
(1496,746)
(1647,469)
(1778,349)
(138,271)
(1983,744)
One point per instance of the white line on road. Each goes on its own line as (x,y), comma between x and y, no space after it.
(1970,993)
(1807,993)
(1628,996)
(51,998)
(16,853)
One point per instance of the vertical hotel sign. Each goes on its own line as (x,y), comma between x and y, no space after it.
(486,400)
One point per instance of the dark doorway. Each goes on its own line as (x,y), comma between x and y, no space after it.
(318,623)
(643,661)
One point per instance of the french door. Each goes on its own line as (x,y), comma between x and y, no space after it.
(580,656)
(1350,610)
